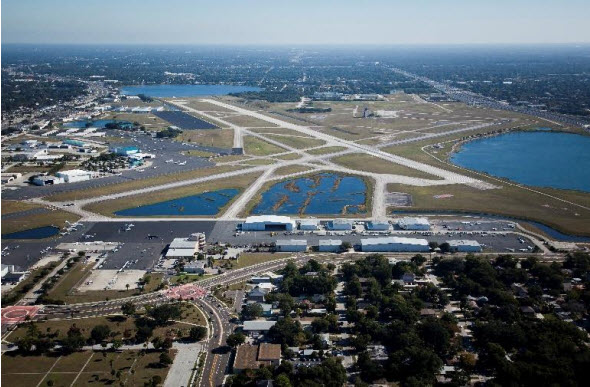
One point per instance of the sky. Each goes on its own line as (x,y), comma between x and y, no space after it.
(279,22)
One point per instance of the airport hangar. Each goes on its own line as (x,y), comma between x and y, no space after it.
(268,223)
(391,244)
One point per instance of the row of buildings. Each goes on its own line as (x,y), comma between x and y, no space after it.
(383,244)
(285,223)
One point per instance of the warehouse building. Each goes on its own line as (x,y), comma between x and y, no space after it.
(268,223)
(330,245)
(257,327)
(197,267)
(291,245)
(418,224)
(309,224)
(394,244)
(464,246)
(340,224)
(378,225)
(125,150)
(75,175)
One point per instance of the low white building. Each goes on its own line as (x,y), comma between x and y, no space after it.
(75,175)
(378,225)
(42,180)
(257,327)
(340,224)
(196,267)
(291,245)
(464,246)
(411,223)
(329,245)
(309,224)
(394,244)
(268,223)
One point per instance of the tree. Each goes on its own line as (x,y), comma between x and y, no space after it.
(161,314)
(100,333)
(252,311)
(345,246)
(235,339)
(128,308)
(74,340)
(165,359)
(418,259)
(445,247)
(197,333)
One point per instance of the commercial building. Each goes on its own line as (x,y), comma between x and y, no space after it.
(417,224)
(330,245)
(291,245)
(255,356)
(309,224)
(268,223)
(340,224)
(257,327)
(75,175)
(186,247)
(125,150)
(378,225)
(394,244)
(464,246)
(196,267)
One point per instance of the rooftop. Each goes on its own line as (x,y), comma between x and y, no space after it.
(394,240)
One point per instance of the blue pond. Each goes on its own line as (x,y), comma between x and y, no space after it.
(540,158)
(322,194)
(33,233)
(95,124)
(207,203)
(185,90)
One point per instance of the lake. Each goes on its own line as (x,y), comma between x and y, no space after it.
(33,233)
(322,194)
(185,90)
(207,203)
(539,158)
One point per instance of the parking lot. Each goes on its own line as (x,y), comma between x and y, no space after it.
(142,244)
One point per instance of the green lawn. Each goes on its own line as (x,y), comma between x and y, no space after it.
(257,147)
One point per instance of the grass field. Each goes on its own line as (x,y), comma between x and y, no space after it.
(507,201)
(117,323)
(298,142)
(52,217)
(141,183)
(288,156)
(109,207)
(364,162)
(12,206)
(249,259)
(221,138)
(247,121)
(257,147)
(326,150)
(291,169)
(82,369)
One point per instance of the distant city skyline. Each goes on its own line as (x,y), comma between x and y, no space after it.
(302,22)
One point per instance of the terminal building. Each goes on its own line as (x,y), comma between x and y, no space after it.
(390,244)
(330,245)
(340,224)
(291,245)
(417,224)
(378,225)
(268,223)
(464,246)
(309,224)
